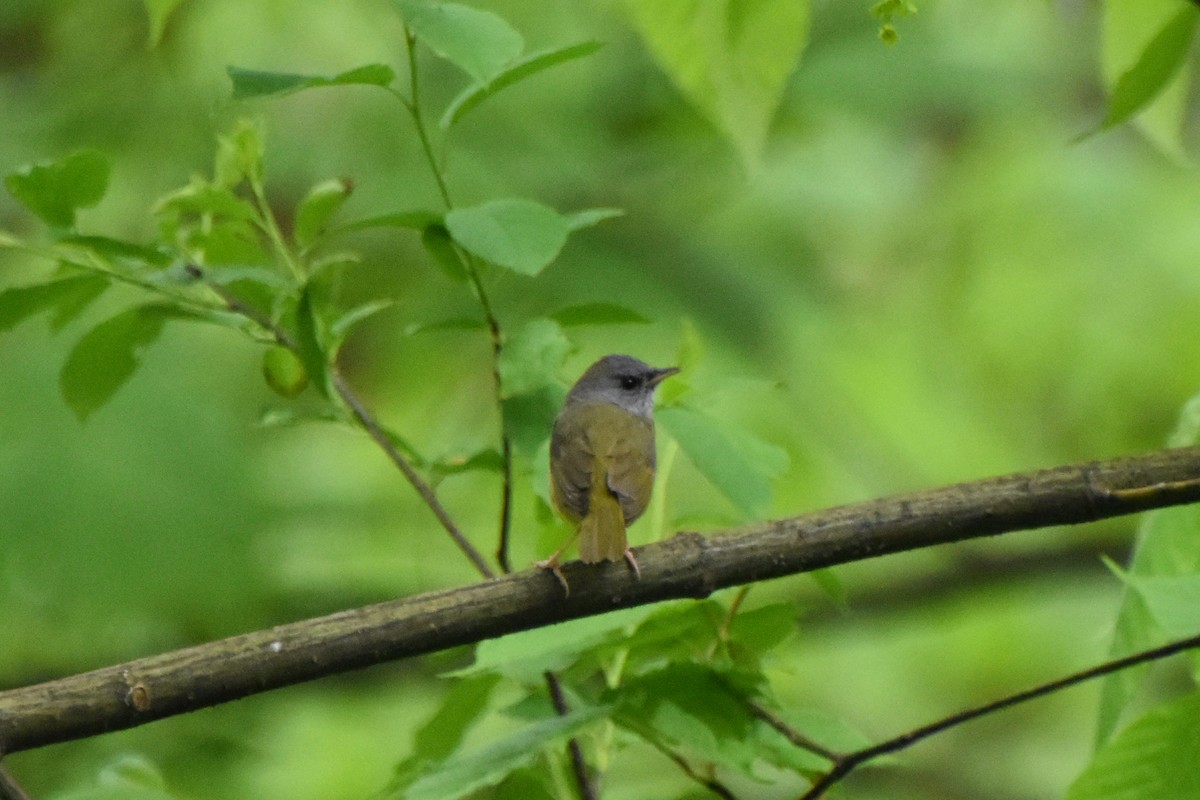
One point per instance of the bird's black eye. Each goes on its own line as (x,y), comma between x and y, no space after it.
(629,382)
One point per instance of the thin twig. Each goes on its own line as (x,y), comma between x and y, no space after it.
(794,736)
(587,790)
(364,417)
(413,105)
(722,637)
(423,489)
(9,788)
(843,765)
(708,782)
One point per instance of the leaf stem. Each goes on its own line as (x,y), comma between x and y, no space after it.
(271,227)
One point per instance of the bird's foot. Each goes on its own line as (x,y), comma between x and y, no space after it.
(633,565)
(551,564)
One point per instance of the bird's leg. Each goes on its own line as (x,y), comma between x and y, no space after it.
(552,563)
(633,565)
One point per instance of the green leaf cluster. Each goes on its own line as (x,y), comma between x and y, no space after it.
(683,678)
(1161,598)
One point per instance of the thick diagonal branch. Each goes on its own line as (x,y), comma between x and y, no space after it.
(687,565)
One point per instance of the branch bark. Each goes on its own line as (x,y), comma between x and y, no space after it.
(685,566)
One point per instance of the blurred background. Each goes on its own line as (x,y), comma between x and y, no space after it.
(924,279)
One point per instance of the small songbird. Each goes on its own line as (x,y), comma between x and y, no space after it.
(602,457)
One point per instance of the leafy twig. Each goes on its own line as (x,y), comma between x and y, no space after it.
(412,104)
(364,418)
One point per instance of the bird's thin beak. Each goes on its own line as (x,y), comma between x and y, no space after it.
(661,375)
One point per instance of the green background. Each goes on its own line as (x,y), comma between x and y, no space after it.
(923,279)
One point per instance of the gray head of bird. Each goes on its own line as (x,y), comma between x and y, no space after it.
(623,381)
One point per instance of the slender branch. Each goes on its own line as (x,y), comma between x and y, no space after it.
(423,489)
(685,566)
(587,790)
(364,419)
(843,765)
(710,783)
(723,630)
(413,105)
(794,736)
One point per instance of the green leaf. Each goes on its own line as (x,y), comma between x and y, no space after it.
(592,216)
(678,632)
(131,777)
(1127,28)
(201,198)
(705,714)
(413,220)
(159,11)
(341,327)
(290,417)
(519,70)
(531,783)
(455,324)
(1172,600)
(310,341)
(1154,757)
(437,242)
(764,628)
(231,243)
(521,235)
(597,314)
(488,460)
(249,83)
(107,356)
(691,707)
(462,706)
(133,770)
(526,656)
(1157,66)
(478,42)
(464,772)
(283,371)
(741,470)
(730,58)
(321,202)
(1167,546)
(55,190)
(67,297)
(118,250)
(529,417)
(532,357)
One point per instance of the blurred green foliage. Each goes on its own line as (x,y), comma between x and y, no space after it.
(886,268)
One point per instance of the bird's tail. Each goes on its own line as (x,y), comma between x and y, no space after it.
(602,531)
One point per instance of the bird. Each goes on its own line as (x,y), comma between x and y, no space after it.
(602,458)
